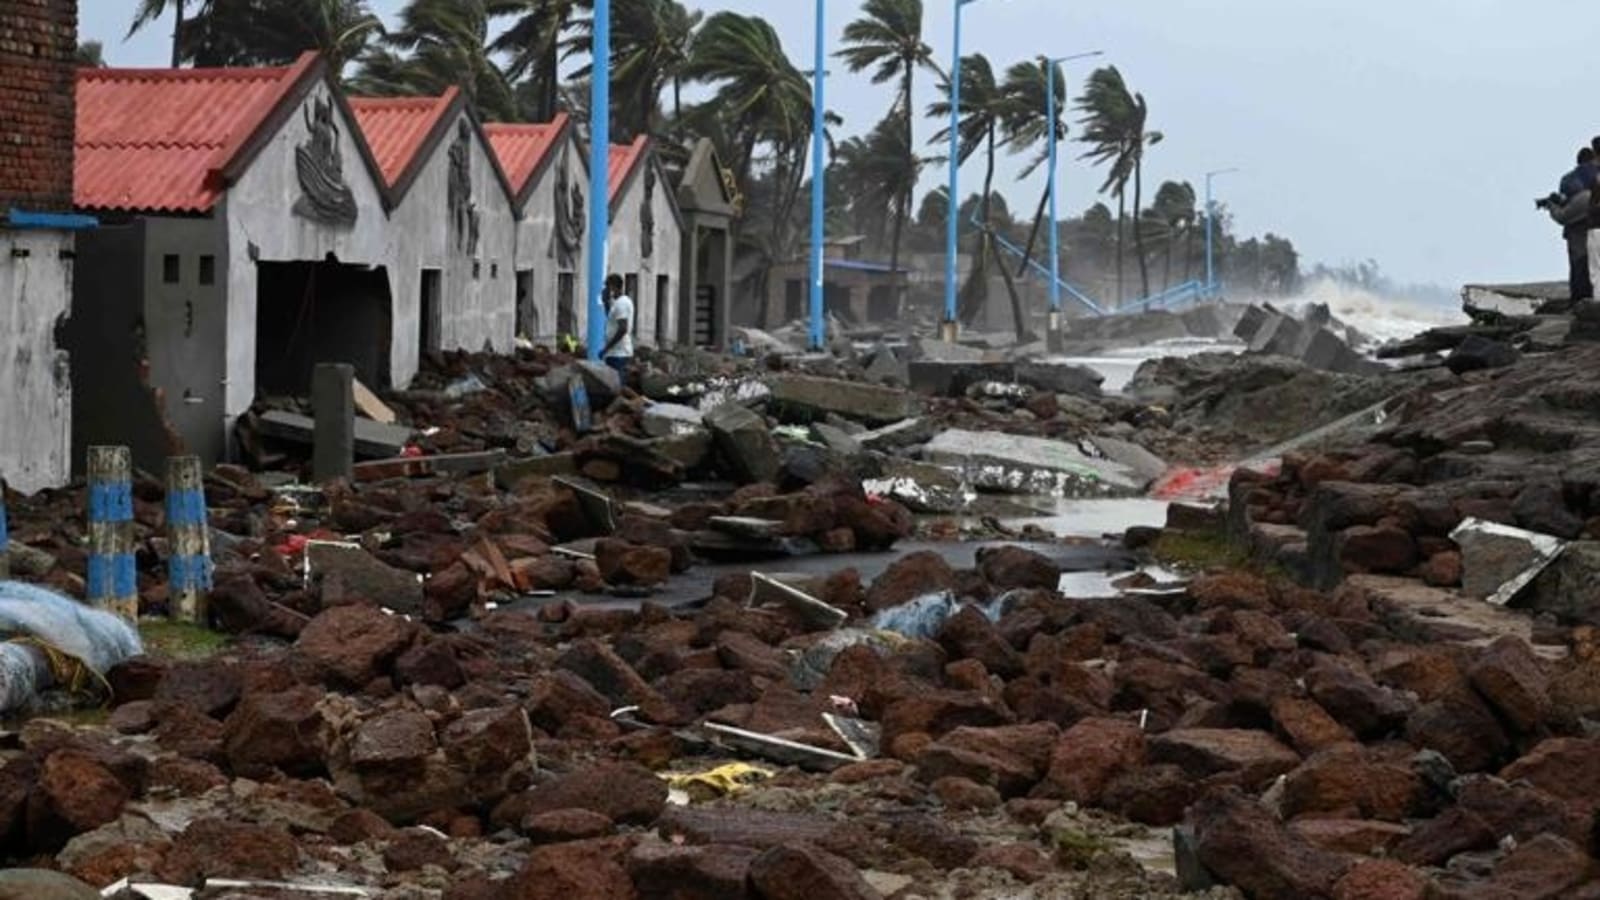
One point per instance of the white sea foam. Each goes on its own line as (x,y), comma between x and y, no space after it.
(1383,318)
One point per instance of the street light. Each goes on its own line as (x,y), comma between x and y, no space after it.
(599,174)
(818,177)
(1211,215)
(1055,229)
(948,330)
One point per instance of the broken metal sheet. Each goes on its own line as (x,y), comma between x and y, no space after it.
(597,505)
(1498,561)
(814,612)
(779,749)
(862,737)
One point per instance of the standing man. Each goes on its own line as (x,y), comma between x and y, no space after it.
(618,352)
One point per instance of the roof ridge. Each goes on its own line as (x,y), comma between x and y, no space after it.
(239,73)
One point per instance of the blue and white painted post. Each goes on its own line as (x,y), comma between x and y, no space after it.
(599,173)
(189,569)
(819,177)
(113,585)
(5,536)
(1051,70)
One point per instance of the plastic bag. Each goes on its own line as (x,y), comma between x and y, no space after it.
(98,639)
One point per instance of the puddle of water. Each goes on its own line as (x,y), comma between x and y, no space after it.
(1092,517)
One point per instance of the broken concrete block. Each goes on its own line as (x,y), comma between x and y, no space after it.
(815,397)
(602,381)
(886,366)
(1328,352)
(670,419)
(743,438)
(1569,588)
(1250,324)
(900,434)
(1279,336)
(1060,378)
(1145,464)
(835,439)
(1018,464)
(951,379)
(508,475)
(920,487)
(1202,321)
(373,440)
(943,351)
(1497,560)
(352,575)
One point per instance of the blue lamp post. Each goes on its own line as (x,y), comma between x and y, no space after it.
(1055,227)
(818,184)
(1211,215)
(599,174)
(951,230)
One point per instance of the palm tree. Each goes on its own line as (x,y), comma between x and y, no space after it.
(1174,212)
(873,178)
(274,32)
(440,44)
(90,55)
(1026,109)
(888,39)
(533,43)
(759,99)
(980,118)
(650,42)
(1114,127)
(151,10)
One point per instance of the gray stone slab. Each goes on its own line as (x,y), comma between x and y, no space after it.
(372,439)
(1497,561)
(1060,378)
(1019,464)
(668,419)
(816,397)
(743,438)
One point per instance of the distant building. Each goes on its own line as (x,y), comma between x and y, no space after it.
(856,290)
(549,178)
(646,240)
(38,40)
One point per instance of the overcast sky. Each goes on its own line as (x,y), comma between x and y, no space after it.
(1414,132)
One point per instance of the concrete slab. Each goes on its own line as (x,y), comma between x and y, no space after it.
(1026,465)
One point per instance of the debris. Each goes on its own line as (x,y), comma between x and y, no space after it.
(1498,561)
(1027,465)
(578,400)
(373,440)
(721,781)
(671,420)
(597,505)
(422,466)
(368,404)
(812,398)
(779,749)
(815,613)
(742,437)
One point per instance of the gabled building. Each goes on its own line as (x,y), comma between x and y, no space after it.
(707,198)
(646,240)
(37,42)
(452,221)
(247,239)
(549,178)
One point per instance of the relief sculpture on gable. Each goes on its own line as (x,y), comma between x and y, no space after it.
(324,196)
(464,216)
(647,213)
(570,220)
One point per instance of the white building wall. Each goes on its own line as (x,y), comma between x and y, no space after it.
(35,382)
(536,245)
(257,213)
(624,246)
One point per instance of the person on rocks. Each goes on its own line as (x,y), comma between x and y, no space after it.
(1582,254)
(618,352)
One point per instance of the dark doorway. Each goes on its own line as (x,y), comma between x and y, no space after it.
(663,308)
(430,337)
(794,300)
(704,333)
(566,305)
(310,313)
(527,310)
(836,301)
(880,304)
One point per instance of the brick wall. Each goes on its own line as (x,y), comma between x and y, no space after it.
(38,40)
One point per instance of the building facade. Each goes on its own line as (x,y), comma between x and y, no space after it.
(645,242)
(38,41)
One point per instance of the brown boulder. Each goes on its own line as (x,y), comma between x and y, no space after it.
(1153,795)
(1380,548)
(1236,590)
(1024,862)
(1307,726)
(908,578)
(1010,568)
(1090,754)
(970,635)
(75,793)
(1443,569)
(1362,837)
(215,848)
(709,872)
(558,697)
(492,748)
(449,593)
(1241,843)
(561,825)
(622,563)
(1380,879)
(608,673)
(805,872)
(625,793)
(1509,676)
(1350,781)
(1255,757)
(1565,768)
(935,712)
(959,793)
(287,730)
(352,645)
(1355,700)
(1462,728)
(933,840)
(1546,867)
(1429,673)
(579,870)
(414,849)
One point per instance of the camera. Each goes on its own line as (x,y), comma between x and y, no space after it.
(1550,203)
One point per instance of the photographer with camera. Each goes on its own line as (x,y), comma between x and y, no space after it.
(1572,208)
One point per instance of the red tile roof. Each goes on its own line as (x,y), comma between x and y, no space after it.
(522,149)
(155,139)
(623,159)
(397,128)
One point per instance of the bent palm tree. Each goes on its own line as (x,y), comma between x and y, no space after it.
(1026,110)
(151,10)
(981,114)
(440,44)
(650,42)
(274,32)
(888,39)
(1114,127)
(533,46)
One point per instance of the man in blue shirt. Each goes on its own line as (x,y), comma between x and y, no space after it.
(1583,248)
